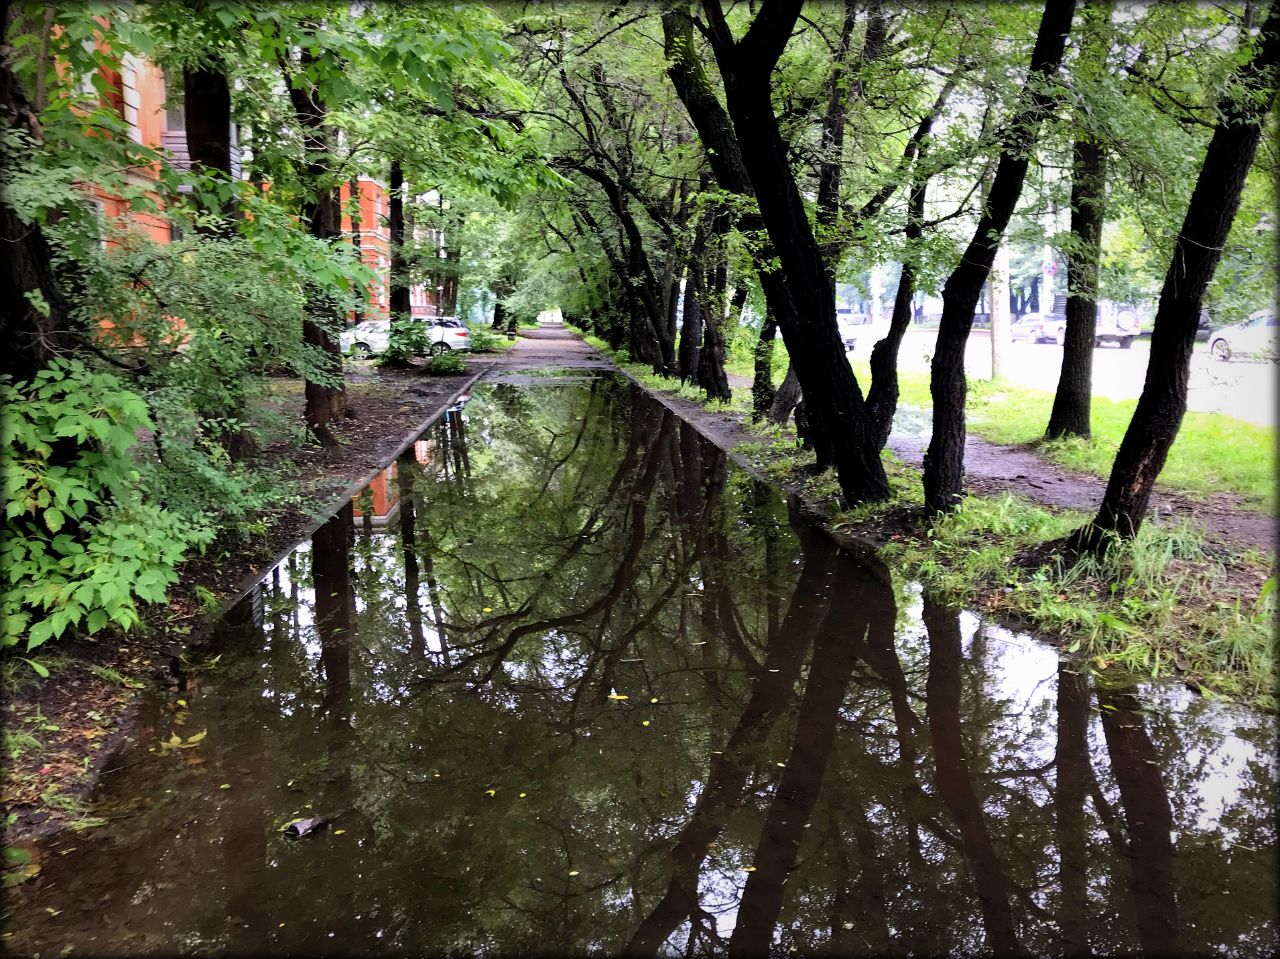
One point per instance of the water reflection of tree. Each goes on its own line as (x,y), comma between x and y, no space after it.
(899,748)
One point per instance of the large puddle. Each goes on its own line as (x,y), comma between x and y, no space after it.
(563,681)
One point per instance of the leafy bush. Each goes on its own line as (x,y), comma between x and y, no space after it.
(446,363)
(408,338)
(83,539)
(485,340)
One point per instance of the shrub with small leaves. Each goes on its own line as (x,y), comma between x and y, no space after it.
(446,363)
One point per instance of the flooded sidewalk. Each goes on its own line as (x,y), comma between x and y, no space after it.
(564,680)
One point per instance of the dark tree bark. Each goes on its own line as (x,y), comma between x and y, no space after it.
(322,214)
(399,278)
(835,402)
(32,336)
(207,116)
(1072,400)
(711,373)
(691,326)
(882,397)
(944,460)
(762,390)
(1214,203)
(785,397)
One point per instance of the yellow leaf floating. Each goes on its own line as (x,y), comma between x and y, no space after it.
(619,696)
(491,792)
(645,723)
(749,869)
(522,795)
(488,609)
(654,699)
(573,872)
(338,832)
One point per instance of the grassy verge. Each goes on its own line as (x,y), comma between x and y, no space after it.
(1167,605)
(1212,454)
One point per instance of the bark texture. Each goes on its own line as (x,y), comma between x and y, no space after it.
(1072,400)
(836,406)
(322,214)
(944,459)
(1213,206)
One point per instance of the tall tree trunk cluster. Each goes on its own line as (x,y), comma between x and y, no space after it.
(1214,202)
(944,459)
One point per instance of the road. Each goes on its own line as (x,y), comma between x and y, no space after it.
(1241,389)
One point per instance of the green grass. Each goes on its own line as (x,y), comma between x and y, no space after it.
(1212,454)
(1159,606)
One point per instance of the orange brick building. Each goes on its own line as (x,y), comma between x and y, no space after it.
(138,94)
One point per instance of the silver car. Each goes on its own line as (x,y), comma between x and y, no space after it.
(1256,336)
(369,338)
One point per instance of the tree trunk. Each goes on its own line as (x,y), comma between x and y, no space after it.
(499,313)
(711,373)
(399,296)
(785,398)
(762,390)
(807,316)
(208,127)
(1196,254)
(36,321)
(1071,402)
(944,460)
(321,212)
(691,327)
(882,398)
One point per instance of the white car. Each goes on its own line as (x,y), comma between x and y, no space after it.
(371,337)
(1256,336)
(1040,328)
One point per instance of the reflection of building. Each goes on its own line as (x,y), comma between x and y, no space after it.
(382,495)
(138,94)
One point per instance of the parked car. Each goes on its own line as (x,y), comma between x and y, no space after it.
(848,334)
(1040,328)
(371,337)
(1120,328)
(1256,336)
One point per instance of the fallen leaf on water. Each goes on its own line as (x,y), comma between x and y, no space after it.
(491,792)
(522,795)
(488,609)
(654,699)
(198,736)
(225,786)
(749,869)
(182,702)
(645,723)
(619,696)
(573,872)
(338,832)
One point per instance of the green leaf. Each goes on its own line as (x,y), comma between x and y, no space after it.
(40,670)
